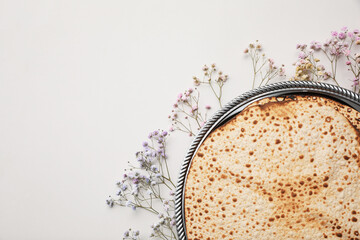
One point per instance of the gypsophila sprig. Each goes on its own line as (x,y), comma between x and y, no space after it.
(186,115)
(264,68)
(212,77)
(340,45)
(148,185)
(131,234)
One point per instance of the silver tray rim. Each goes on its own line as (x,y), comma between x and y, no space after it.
(237,105)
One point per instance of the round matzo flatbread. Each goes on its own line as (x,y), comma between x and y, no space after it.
(279,170)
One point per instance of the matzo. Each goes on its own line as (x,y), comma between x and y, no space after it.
(278,170)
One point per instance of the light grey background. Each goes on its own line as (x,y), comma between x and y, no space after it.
(83,82)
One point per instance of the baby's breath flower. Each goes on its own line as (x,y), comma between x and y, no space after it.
(196,81)
(327,75)
(355,82)
(282,72)
(154,168)
(342,35)
(320,68)
(194,108)
(110,202)
(128,203)
(302,55)
(315,45)
(131,234)
(351,35)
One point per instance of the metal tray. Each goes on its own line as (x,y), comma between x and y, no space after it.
(231,109)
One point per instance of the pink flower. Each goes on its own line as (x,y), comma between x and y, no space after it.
(351,35)
(321,67)
(302,55)
(348,63)
(356,31)
(301,61)
(334,33)
(180,96)
(315,45)
(344,29)
(346,52)
(356,82)
(221,78)
(301,46)
(194,108)
(342,35)
(208,107)
(327,75)
(327,43)
(282,72)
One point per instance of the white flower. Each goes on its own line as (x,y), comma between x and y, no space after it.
(154,168)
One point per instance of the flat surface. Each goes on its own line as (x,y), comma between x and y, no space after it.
(83,82)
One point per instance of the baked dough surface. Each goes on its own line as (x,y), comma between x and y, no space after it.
(281,169)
